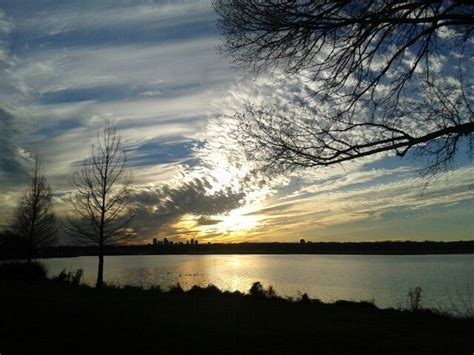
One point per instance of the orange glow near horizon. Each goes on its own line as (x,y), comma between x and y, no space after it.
(236,226)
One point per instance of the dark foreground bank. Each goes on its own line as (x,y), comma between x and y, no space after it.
(40,316)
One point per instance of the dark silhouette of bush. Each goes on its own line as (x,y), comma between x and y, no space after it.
(414,299)
(304,298)
(127,288)
(156,289)
(22,271)
(176,289)
(12,245)
(210,290)
(69,278)
(257,290)
(366,305)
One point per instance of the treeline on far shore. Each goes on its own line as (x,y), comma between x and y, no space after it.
(365,248)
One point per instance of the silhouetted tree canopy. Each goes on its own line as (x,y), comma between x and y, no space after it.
(380,76)
(100,203)
(34,220)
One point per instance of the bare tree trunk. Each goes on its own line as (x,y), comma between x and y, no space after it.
(33,212)
(101,200)
(29,256)
(100,272)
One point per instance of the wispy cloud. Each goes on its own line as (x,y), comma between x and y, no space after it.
(333,210)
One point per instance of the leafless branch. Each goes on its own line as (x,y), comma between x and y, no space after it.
(34,219)
(370,62)
(101,210)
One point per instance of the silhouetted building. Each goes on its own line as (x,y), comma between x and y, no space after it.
(155,242)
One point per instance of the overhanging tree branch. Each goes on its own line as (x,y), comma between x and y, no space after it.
(376,85)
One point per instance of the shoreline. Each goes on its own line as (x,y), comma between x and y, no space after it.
(307,248)
(223,254)
(217,254)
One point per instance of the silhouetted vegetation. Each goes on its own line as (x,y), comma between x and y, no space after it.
(414,299)
(76,318)
(176,288)
(100,203)
(370,78)
(210,290)
(23,271)
(34,221)
(361,305)
(69,278)
(12,246)
(257,290)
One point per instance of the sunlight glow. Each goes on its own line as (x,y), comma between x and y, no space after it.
(224,173)
(235,226)
(238,221)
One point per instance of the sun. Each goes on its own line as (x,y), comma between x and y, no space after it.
(238,221)
(231,226)
(235,226)
(226,176)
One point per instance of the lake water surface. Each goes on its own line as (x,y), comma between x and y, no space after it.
(446,280)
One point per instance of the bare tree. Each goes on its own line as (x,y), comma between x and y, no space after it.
(34,220)
(100,203)
(374,67)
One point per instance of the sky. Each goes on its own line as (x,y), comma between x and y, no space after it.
(152,68)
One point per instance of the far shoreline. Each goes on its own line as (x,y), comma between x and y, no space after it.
(386,248)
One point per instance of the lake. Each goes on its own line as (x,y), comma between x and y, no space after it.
(446,280)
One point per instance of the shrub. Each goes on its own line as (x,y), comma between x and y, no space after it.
(176,288)
(130,288)
(69,278)
(304,298)
(22,271)
(364,305)
(257,290)
(156,289)
(210,290)
(414,299)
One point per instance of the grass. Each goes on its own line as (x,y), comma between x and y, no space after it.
(61,317)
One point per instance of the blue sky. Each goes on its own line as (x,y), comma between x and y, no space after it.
(151,67)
